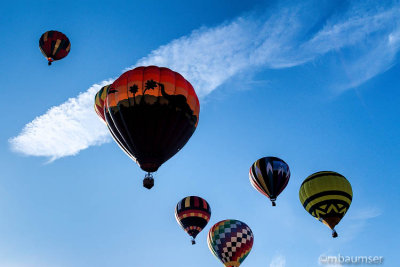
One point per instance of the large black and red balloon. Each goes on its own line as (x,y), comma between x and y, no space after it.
(151,112)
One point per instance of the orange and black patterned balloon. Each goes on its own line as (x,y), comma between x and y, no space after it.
(54,45)
(155,111)
(193,214)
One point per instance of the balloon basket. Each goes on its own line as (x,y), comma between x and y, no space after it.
(148,181)
(334,233)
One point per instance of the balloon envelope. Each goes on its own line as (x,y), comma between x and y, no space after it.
(269,176)
(193,214)
(54,45)
(230,241)
(326,196)
(155,111)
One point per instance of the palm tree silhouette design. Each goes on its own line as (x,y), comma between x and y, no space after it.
(178,101)
(150,85)
(134,89)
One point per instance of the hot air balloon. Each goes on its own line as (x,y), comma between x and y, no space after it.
(54,45)
(327,196)
(230,241)
(269,176)
(155,111)
(193,214)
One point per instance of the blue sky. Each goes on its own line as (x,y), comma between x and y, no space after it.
(316,84)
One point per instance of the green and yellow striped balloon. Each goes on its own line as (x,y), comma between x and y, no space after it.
(327,196)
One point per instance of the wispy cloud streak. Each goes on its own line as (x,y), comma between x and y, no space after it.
(359,220)
(285,37)
(63,130)
(209,57)
(278,261)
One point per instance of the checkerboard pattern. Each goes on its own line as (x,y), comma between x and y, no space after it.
(230,241)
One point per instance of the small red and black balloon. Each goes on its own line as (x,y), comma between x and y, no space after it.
(54,45)
(193,214)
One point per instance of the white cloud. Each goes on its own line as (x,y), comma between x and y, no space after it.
(380,50)
(351,29)
(208,57)
(357,221)
(278,261)
(365,214)
(64,130)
